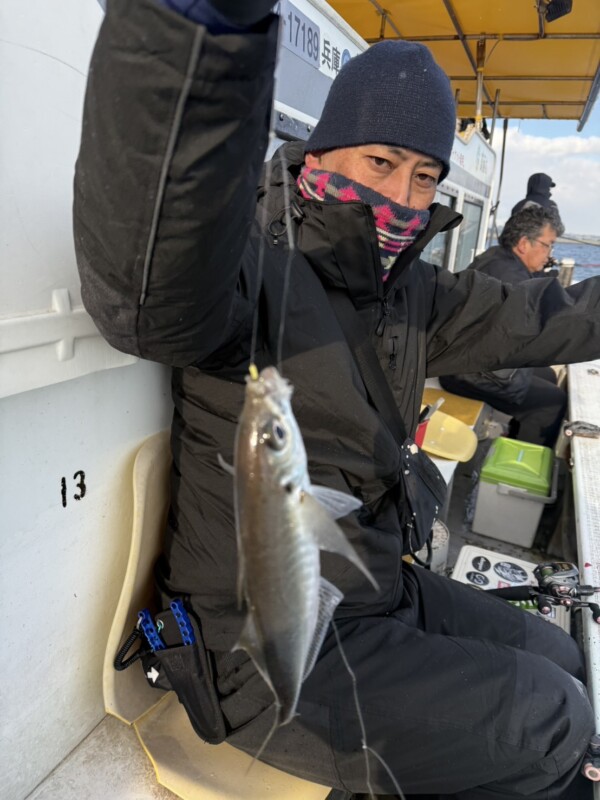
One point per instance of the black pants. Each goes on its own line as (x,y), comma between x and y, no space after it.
(462,695)
(537,418)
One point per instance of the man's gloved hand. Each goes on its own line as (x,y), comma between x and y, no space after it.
(221,16)
(242,12)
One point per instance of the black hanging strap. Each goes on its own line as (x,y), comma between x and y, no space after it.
(423,487)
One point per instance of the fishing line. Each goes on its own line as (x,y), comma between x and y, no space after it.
(261,260)
(363,731)
(288,263)
(267,739)
(261,250)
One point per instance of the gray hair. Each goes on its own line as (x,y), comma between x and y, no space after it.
(530,222)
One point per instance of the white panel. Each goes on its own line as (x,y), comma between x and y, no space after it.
(44,55)
(49,347)
(62,559)
(45,335)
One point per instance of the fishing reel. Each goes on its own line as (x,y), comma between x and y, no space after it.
(551,263)
(557,585)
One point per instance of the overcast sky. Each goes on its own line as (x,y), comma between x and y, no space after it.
(572,160)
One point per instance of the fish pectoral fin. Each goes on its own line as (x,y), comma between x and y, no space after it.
(329,598)
(339,504)
(224,465)
(329,536)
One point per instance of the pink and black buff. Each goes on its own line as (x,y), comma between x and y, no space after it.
(397,226)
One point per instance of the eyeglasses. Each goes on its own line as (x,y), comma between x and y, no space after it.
(549,247)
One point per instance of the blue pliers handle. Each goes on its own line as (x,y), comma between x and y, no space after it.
(150,630)
(183,622)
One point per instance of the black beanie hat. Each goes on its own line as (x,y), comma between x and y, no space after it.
(394,93)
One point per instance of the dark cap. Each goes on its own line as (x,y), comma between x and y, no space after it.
(539,181)
(394,93)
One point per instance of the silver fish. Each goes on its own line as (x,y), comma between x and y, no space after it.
(282,522)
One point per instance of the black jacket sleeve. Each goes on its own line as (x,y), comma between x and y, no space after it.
(174,134)
(478,323)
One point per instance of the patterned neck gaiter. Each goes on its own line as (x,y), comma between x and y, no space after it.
(397,226)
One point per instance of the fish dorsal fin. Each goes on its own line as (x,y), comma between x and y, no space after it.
(329,599)
(328,534)
(337,503)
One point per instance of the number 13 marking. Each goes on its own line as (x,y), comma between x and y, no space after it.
(80,485)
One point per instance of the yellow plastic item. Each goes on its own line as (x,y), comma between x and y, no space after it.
(463,408)
(448,437)
(184,764)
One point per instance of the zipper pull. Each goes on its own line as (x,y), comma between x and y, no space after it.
(382,322)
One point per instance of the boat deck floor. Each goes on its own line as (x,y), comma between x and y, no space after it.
(109,764)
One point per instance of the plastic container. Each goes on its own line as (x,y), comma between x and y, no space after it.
(517,479)
(447,437)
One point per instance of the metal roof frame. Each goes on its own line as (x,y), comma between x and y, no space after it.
(575,93)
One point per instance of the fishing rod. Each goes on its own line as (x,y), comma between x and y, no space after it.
(557,585)
(573,239)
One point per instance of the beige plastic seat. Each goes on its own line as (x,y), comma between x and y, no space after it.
(183,763)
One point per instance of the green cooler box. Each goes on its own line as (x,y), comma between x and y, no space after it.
(517,479)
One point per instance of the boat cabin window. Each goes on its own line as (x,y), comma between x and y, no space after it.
(467,236)
(437,251)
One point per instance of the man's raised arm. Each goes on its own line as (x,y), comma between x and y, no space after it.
(479,323)
(174,134)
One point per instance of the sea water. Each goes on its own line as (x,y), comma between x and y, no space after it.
(585,256)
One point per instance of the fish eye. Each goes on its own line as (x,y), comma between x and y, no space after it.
(274,435)
(278,436)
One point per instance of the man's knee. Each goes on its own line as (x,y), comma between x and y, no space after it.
(573,730)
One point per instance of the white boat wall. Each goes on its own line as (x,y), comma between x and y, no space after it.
(73,410)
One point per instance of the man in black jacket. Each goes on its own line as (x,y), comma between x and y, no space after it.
(539,189)
(174,215)
(529,395)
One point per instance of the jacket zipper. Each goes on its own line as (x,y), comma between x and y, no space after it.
(393,354)
(384,318)
(380,330)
